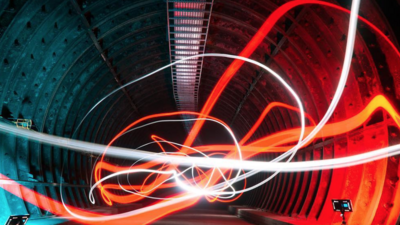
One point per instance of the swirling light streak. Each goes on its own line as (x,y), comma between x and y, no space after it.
(106,195)
(237,64)
(229,184)
(311,132)
(224,80)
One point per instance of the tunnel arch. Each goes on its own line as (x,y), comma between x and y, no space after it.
(58,58)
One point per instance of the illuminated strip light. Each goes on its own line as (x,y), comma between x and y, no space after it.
(188,22)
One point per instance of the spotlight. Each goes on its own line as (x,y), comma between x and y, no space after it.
(342,206)
(17,220)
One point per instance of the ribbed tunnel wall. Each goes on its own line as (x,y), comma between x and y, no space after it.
(53,73)
(58,58)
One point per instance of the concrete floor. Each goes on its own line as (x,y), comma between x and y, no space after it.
(201,217)
(195,217)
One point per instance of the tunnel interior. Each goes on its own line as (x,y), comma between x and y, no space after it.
(60,58)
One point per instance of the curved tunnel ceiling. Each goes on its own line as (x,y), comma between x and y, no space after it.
(50,63)
(58,58)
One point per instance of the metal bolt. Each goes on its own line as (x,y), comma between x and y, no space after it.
(393,180)
(388,205)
